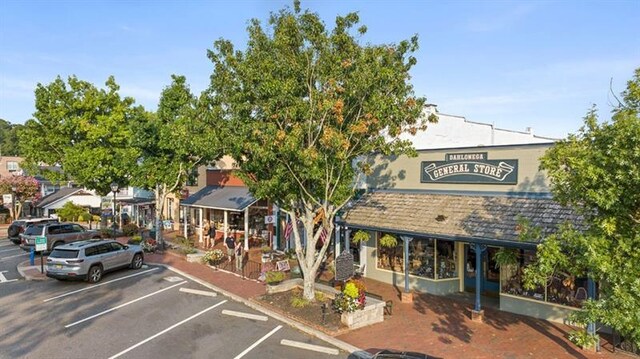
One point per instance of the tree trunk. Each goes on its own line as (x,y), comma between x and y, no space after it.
(161,195)
(309,262)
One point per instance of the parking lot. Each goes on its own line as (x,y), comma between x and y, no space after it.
(146,313)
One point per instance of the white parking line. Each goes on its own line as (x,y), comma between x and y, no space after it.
(258,342)
(245,315)
(315,348)
(199,292)
(12,249)
(122,305)
(98,285)
(166,330)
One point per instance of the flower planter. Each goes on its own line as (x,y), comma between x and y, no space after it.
(372,313)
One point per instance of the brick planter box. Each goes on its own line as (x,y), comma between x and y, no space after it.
(372,313)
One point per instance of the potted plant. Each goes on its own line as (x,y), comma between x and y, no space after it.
(274,277)
(388,240)
(213,257)
(360,236)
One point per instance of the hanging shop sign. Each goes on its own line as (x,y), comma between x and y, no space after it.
(469,168)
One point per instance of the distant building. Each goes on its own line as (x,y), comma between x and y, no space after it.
(456,131)
(10,165)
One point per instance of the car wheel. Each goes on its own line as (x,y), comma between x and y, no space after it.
(136,262)
(12,232)
(95,274)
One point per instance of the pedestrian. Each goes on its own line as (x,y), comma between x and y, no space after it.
(229,242)
(238,253)
(212,234)
(205,232)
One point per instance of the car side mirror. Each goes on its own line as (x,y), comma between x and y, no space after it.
(125,247)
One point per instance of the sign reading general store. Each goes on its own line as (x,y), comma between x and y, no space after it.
(469,168)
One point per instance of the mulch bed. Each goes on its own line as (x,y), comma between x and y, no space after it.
(311,314)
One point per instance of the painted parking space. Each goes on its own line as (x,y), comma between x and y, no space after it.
(145,315)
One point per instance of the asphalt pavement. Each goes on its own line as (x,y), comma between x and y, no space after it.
(151,312)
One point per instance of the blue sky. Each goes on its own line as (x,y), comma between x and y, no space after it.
(516,64)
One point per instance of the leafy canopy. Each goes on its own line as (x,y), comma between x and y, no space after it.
(597,172)
(305,103)
(83,129)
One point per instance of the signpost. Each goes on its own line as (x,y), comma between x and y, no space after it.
(41,246)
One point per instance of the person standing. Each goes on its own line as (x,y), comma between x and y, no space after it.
(206,228)
(229,243)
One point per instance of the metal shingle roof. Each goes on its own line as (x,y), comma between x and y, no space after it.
(233,198)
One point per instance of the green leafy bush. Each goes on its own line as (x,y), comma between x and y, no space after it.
(274,277)
(299,302)
(583,339)
(86,217)
(135,239)
(129,229)
(388,241)
(360,236)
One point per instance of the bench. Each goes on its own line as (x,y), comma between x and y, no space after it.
(388,304)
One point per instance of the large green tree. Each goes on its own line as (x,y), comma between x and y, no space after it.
(597,172)
(9,138)
(181,136)
(305,104)
(83,129)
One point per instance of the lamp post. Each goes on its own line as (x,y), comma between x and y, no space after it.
(114,189)
(14,189)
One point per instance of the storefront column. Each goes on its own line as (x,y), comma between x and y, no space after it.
(336,243)
(201,229)
(225,227)
(406,296)
(591,294)
(347,235)
(477,312)
(246,229)
(184,218)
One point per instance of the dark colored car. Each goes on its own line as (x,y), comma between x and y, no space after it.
(18,226)
(396,354)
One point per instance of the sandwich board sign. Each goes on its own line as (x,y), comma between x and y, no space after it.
(41,243)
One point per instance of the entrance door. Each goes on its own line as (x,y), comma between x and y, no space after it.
(490,283)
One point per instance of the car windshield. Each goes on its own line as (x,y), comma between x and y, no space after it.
(64,253)
(34,229)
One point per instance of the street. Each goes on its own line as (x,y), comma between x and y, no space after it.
(146,313)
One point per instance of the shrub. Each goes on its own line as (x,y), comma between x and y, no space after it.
(106,232)
(86,217)
(298,301)
(135,240)
(129,229)
(265,249)
(351,298)
(320,297)
(213,256)
(274,277)
(583,339)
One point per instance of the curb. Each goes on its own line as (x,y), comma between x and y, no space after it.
(316,333)
(21,268)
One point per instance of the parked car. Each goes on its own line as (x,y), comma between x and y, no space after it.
(56,234)
(18,226)
(89,260)
(396,354)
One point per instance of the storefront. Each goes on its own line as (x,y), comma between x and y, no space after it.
(453,214)
(228,209)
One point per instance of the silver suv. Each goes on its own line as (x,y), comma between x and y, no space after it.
(89,260)
(56,234)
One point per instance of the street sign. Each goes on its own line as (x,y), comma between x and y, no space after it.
(41,243)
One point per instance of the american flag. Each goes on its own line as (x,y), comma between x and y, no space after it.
(288,229)
(323,235)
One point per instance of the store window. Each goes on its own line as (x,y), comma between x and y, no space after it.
(447,263)
(390,257)
(421,255)
(512,277)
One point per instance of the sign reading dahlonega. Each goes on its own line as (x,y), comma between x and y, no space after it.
(469,168)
